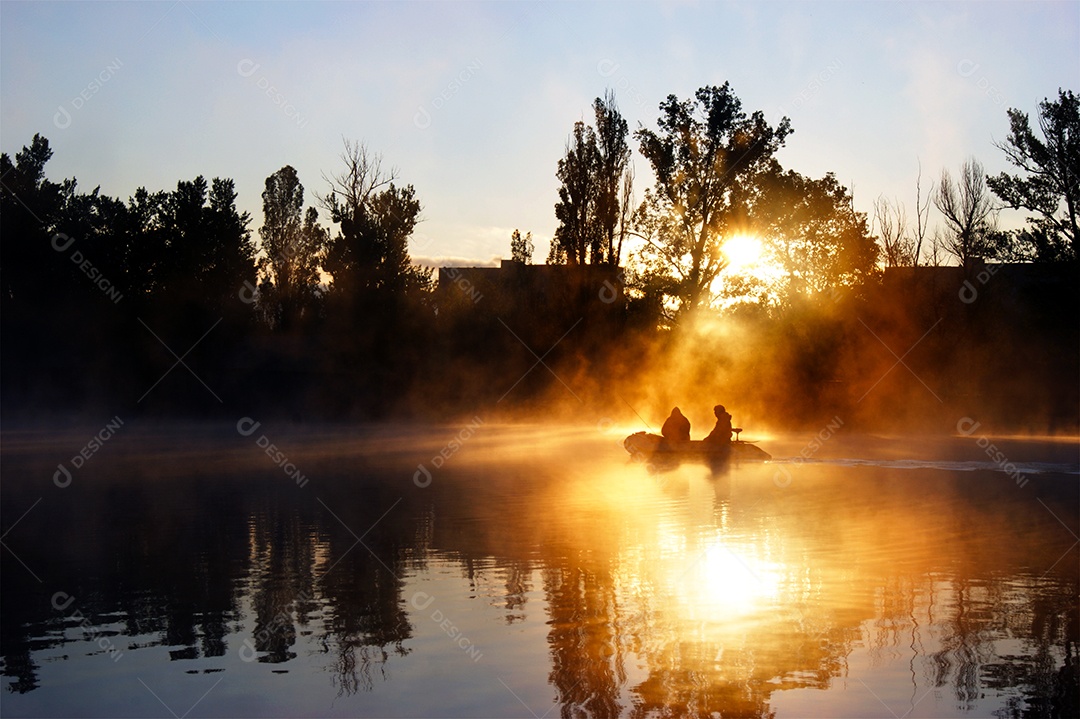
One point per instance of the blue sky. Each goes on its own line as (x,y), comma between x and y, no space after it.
(472,102)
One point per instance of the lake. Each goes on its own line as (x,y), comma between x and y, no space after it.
(481,570)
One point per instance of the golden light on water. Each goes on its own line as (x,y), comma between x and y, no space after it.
(725,581)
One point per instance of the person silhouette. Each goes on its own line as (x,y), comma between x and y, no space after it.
(721,433)
(676,427)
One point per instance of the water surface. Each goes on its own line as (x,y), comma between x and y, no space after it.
(526,571)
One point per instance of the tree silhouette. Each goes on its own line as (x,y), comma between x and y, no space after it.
(812,231)
(890,221)
(969,212)
(595,187)
(30,209)
(199,250)
(707,156)
(613,181)
(294,248)
(902,244)
(576,234)
(521,248)
(370,254)
(1051,188)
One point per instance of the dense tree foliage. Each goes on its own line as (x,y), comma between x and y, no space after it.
(31,209)
(813,234)
(521,248)
(294,244)
(707,156)
(1050,184)
(369,257)
(595,190)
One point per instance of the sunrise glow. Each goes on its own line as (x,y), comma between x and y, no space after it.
(743,252)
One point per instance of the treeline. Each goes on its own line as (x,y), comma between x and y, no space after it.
(101,297)
(167,303)
(717,178)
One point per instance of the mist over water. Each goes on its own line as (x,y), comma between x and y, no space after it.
(534,569)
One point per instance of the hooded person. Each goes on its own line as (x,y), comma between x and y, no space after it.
(676,427)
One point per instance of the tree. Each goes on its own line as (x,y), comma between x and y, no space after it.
(902,244)
(613,180)
(969,212)
(369,257)
(205,243)
(294,247)
(707,157)
(521,249)
(922,216)
(595,189)
(897,245)
(232,258)
(1051,188)
(30,209)
(811,230)
(577,233)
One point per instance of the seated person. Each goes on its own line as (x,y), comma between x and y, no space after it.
(721,433)
(676,428)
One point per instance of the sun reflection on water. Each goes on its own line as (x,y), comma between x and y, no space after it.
(724,581)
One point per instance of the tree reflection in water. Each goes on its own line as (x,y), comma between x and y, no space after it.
(665,595)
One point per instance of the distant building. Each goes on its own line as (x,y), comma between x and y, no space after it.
(1012,283)
(538,303)
(537,288)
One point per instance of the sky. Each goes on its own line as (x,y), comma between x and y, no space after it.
(472,103)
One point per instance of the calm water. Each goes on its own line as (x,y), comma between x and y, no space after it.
(533,572)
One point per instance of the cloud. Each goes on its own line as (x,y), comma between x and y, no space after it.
(454,261)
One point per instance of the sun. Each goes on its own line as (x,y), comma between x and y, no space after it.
(750,268)
(742,252)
